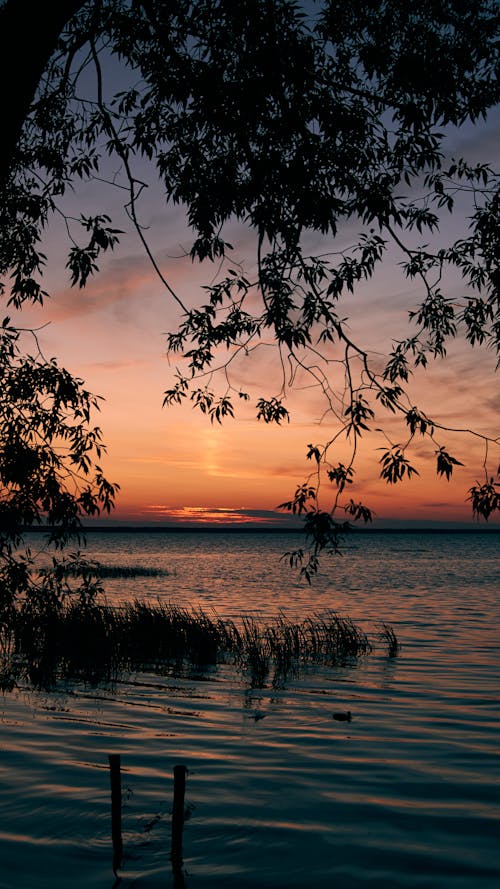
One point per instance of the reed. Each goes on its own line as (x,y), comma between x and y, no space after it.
(387,635)
(94,642)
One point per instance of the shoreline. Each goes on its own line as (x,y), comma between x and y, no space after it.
(252,529)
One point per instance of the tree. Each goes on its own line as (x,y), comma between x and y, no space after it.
(294,120)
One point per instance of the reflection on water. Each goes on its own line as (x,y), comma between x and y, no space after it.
(280,792)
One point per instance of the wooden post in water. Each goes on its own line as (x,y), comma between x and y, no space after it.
(116,810)
(178,816)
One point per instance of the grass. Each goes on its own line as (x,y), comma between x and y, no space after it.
(97,642)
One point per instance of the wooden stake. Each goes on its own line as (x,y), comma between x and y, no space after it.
(116,810)
(178,815)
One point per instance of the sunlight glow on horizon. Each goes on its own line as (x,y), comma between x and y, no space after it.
(175,456)
(207,515)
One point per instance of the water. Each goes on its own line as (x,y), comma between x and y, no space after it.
(280,793)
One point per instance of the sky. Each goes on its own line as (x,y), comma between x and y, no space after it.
(171,463)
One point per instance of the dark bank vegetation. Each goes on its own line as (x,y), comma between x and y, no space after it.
(123,571)
(46,640)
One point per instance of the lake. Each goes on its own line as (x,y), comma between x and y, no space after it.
(280,792)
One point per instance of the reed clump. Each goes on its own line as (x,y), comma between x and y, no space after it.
(94,642)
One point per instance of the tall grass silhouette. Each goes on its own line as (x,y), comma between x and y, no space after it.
(95,642)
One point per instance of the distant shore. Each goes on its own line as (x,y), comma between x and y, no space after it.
(252,528)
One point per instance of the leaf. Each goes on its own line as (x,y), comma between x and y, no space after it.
(313,452)
(303,494)
(272,411)
(395,466)
(341,475)
(485,498)
(445,463)
(357,511)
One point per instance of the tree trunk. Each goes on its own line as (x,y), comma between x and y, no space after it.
(29,30)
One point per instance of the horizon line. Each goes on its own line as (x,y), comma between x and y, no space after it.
(407,525)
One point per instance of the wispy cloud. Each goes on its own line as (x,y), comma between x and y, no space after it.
(115,365)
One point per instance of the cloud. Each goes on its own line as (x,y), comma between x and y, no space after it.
(213,515)
(115,365)
(121,280)
(129,287)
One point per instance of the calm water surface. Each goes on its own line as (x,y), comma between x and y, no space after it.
(279,793)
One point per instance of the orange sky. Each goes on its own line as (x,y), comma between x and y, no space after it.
(172,464)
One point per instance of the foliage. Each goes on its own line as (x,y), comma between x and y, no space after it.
(48,447)
(49,472)
(294,120)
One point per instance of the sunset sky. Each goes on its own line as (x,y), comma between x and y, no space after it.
(172,464)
